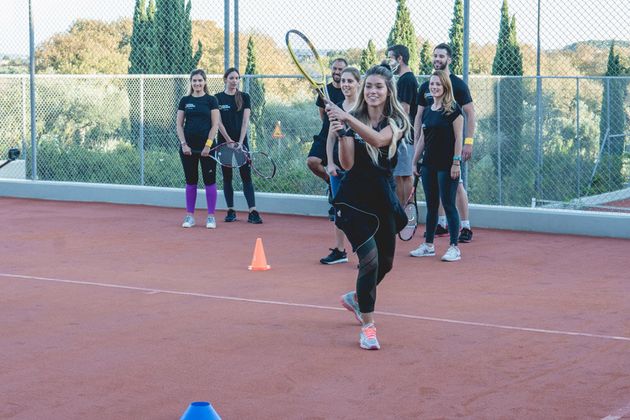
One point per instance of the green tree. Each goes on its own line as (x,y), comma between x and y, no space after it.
(256,90)
(508,61)
(611,126)
(142,56)
(368,57)
(404,33)
(172,33)
(456,35)
(426,59)
(89,47)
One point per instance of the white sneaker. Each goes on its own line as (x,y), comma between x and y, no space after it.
(424,250)
(211,222)
(189,221)
(452,254)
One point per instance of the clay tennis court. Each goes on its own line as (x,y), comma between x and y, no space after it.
(115,312)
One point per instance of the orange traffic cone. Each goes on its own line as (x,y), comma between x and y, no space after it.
(259,262)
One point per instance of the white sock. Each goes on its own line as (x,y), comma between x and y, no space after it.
(442,220)
(465,224)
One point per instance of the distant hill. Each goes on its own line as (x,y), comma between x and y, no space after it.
(597,44)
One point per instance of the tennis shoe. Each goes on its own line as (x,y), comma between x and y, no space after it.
(335,257)
(231,216)
(452,254)
(441,230)
(349,302)
(424,250)
(254,217)
(189,221)
(367,338)
(465,235)
(211,222)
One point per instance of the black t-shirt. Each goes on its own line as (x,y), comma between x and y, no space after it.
(407,87)
(231,118)
(368,190)
(336,96)
(461,93)
(197,112)
(439,138)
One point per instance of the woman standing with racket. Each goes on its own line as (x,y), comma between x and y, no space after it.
(349,82)
(235,109)
(368,210)
(198,120)
(441,142)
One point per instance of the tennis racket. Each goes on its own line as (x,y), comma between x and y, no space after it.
(411,210)
(12,155)
(307,60)
(233,155)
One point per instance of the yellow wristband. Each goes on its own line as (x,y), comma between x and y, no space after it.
(469,140)
(209,143)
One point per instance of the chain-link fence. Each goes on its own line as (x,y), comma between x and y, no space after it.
(555,140)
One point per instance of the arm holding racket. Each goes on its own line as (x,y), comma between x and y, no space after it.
(331,168)
(419,148)
(371,136)
(215,115)
(180,134)
(346,145)
(224,133)
(245,125)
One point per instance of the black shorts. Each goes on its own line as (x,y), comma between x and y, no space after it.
(318,150)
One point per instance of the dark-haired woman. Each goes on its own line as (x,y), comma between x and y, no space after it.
(235,109)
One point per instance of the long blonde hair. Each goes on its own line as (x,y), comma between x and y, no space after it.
(393,111)
(448,102)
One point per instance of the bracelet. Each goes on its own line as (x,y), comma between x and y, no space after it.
(469,141)
(457,157)
(456,164)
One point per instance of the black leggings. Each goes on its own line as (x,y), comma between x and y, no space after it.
(376,258)
(438,185)
(248,185)
(191,168)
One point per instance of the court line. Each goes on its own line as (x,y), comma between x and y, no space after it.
(619,414)
(305,305)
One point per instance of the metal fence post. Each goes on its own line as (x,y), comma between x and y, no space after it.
(226,35)
(499,163)
(539,161)
(578,138)
(236,35)
(465,70)
(32,87)
(23,80)
(141,140)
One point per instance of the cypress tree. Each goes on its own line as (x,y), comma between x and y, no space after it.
(256,92)
(426,59)
(612,123)
(368,57)
(404,33)
(456,35)
(508,61)
(172,32)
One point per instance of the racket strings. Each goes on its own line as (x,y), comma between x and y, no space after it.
(306,57)
(232,157)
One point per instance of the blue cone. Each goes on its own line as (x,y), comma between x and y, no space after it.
(200,410)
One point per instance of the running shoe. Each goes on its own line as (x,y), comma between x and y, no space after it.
(367,338)
(335,257)
(441,230)
(424,250)
(254,217)
(452,254)
(231,216)
(465,235)
(211,222)
(189,221)
(349,302)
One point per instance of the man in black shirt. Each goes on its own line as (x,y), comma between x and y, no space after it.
(407,92)
(316,160)
(441,61)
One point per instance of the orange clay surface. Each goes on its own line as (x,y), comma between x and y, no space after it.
(116,312)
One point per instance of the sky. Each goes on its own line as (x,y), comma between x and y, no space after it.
(341,24)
